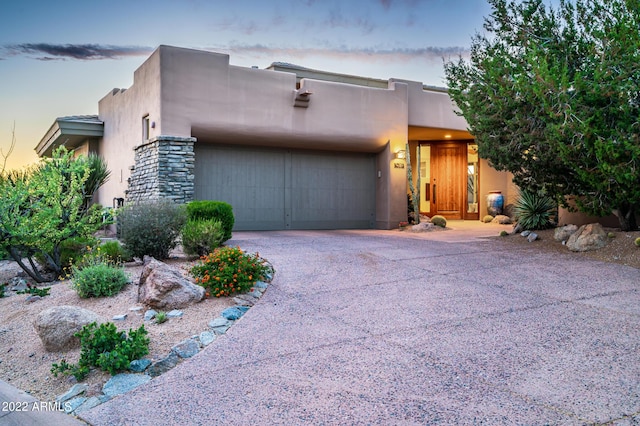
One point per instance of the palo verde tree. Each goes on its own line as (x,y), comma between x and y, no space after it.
(44,206)
(552,96)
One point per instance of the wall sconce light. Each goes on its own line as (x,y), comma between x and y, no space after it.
(401,154)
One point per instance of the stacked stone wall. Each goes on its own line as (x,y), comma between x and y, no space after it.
(164,169)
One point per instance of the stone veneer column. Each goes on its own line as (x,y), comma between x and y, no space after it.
(164,169)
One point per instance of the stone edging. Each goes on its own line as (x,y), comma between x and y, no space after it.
(143,370)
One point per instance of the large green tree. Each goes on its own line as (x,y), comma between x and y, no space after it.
(551,95)
(45,205)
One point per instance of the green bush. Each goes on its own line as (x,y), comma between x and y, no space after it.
(228,270)
(161,317)
(115,252)
(151,228)
(487,219)
(97,277)
(35,291)
(503,233)
(201,237)
(217,210)
(4,255)
(637,242)
(42,208)
(439,221)
(71,250)
(106,348)
(534,210)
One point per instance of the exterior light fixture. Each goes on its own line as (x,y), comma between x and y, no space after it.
(401,154)
(447,136)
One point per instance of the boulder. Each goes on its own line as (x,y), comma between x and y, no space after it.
(563,233)
(587,237)
(164,287)
(501,219)
(17,284)
(56,326)
(422,227)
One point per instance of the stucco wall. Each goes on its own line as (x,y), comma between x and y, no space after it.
(493,180)
(205,97)
(428,108)
(122,111)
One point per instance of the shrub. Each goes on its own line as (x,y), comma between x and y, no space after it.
(487,219)
(503,233)
(96,276)
(161,317)
(3,254)
(43,207)
(106,348)
(217,210)
(151,228)
(534,210)
(637,242)
(439,221)
(228,270)
(201,236)
(35,291)
(2,289)
(115,252)
(71,251)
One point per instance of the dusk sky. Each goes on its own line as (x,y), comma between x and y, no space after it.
(59,58)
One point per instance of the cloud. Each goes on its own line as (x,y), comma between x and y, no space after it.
(337,19)
(371,54)
(87,52)
(386,4)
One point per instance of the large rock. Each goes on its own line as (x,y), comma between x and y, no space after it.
(587,237)
(164,287)
(56,326)
(502,219)
(563,233)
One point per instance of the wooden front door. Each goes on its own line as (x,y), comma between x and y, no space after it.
(449,179)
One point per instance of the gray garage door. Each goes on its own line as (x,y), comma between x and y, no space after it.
(282,189)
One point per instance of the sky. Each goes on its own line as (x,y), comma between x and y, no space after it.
(59,58)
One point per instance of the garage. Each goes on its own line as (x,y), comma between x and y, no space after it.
(273,189)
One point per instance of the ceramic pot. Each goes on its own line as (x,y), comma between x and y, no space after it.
(495,203)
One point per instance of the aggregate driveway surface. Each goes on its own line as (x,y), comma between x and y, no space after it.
(384,327)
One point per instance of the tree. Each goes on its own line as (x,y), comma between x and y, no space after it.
(44,206)
(552,96)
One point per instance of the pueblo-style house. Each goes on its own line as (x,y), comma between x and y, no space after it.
(288,147)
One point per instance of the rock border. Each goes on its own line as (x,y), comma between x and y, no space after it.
(143,370)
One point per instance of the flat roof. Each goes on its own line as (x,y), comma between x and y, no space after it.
(70,131)
(304,72)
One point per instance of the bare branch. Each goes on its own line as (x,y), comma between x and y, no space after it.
(4,156)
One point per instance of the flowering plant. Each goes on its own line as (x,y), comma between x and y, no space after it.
(229,270)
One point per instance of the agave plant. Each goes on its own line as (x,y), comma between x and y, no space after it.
(534,210)
(98,175)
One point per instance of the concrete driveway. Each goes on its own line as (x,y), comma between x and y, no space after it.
(384,327)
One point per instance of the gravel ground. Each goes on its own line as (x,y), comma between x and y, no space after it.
(25,364)
(619,249)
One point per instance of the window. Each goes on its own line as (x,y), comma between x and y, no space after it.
(472,178)
(146,126)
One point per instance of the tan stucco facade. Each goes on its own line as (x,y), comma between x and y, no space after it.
(186,93)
